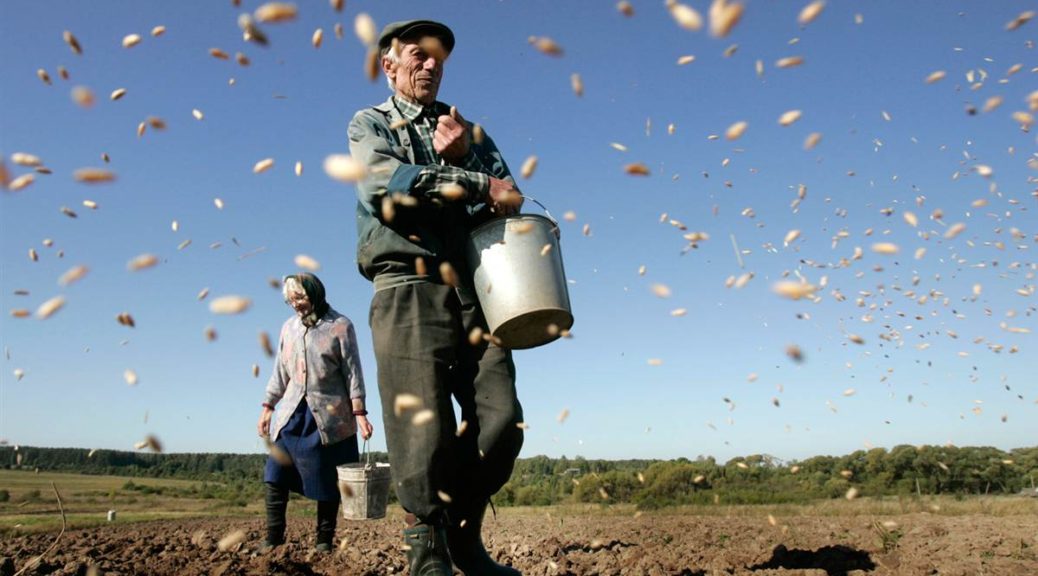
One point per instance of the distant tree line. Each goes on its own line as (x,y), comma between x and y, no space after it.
(650,484)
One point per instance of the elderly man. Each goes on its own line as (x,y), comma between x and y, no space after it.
(431,179)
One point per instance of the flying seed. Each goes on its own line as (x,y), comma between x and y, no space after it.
(33,255)
(344,168)
(851,494)
(856,339)
(141,262)
(24,159)
(545,250)
(529,166)
(679,312)
(794,290)
(63,72)
(125,319)
(141,128)
(230,540)
(20,313)
(449,276)
(1020,20)
(522,425)
(935,76)
(791,236)
(661,290)
(404,402)
(83,96)
(910,219)
(73,275)
(789,117)
(545,45)
(131,40)
(118,93)
(637,169)
(21,182)
(422,417)
(789,62)
(307,263)
(445,497)
(736,130)
(687,59)
(274,12)
(242,59)
(810,12)
(90,204)
(219,54)
(453,191)
(724,16)
(229,305)
(577,84)
(795,353)
(70,39)
(686,16)
(954,230)
(48,308)
(197,114)
(218,202)
(158,31)
(317,38)
(812,140)
(93,175)
(624,7)
(885,248)
(130,376)
(43,76)
(364,27)
(299,168)
(462,427)
(263,165)
(264,341)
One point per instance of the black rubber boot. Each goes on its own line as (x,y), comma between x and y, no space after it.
(277,503)
(427,553)
(465,541)
(327,514)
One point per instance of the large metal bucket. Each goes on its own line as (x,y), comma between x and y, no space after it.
(519,279)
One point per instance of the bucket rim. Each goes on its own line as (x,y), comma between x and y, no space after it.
(504,220)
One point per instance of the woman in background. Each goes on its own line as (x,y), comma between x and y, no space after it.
(313,408)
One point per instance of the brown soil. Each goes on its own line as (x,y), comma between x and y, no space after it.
(543,543)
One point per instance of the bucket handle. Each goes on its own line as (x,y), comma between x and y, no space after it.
(367,454)
(546,213)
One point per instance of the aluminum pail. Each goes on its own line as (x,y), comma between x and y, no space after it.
(519,279)
(364,488)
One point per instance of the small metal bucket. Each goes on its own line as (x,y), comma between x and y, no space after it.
(364,488)
(519,279)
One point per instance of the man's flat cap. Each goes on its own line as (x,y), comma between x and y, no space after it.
(410,28)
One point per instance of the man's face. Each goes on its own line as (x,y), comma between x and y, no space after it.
(418,73)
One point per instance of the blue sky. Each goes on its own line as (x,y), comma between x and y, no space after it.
(937,365)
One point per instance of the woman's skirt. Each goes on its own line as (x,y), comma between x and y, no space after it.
(312,471)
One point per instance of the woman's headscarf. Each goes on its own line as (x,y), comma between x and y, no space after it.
(314,292)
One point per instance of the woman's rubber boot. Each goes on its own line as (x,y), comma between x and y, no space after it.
(465,542)
(427,553)
(277,503)
(327,511)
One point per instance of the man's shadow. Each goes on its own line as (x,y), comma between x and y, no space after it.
(835,560)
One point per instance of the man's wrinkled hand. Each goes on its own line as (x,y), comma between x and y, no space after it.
(451,139)
(504,199)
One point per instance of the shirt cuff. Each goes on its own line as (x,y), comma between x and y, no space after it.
(479,187)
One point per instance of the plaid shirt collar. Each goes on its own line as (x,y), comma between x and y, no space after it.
(412,111)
